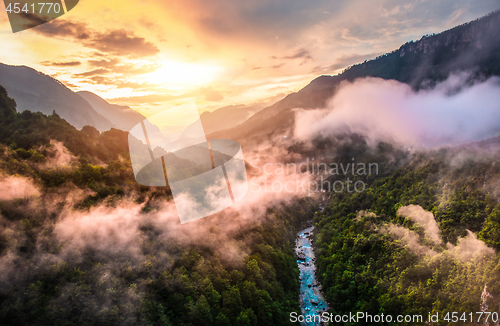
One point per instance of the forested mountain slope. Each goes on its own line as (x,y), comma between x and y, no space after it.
(81,243)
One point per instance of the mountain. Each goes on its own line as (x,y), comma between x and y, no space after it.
(123,117)
(225,117)
(473,47)
(35,91)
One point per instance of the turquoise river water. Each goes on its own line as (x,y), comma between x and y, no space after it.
(312,301)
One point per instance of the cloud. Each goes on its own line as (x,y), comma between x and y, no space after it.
(111,63)
(100,71)
(410,238)
(211,95)
(387,110)
(259,20)
(424,218)
(62,64)
(64,28)
(299,54)
(114,73)
(58,156)
(150,99)
(114,81)
(325,27)
(116,42)
(350,59)
(343,61)
(467,249)
(120,42)
(17,187)
(116,66)
(120,228)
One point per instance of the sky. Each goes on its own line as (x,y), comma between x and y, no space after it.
(152,53)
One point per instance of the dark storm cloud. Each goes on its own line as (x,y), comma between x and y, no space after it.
(115,42)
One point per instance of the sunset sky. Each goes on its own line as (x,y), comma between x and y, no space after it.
(152,53)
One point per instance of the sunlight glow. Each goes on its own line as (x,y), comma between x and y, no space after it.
(182,76)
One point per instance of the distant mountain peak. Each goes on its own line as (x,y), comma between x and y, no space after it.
(35,91)
(122,116)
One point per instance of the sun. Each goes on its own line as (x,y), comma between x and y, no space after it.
(182,76)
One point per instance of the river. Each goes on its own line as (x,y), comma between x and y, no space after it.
(312,301)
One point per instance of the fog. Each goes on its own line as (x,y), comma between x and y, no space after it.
(13,187)
(454,112)
(467,249)
(424,218)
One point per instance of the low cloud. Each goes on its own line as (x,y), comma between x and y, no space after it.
(410,238)
(386,110)
(125,228)
(425,219)
(467,249)
(14,187)
(60,155)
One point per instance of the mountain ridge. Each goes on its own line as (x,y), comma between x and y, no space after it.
(122,116)
(35,91)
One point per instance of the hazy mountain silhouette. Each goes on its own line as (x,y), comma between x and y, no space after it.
(122,117)
(37,92)
(225,117)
